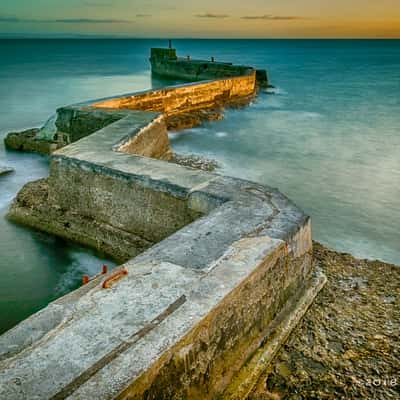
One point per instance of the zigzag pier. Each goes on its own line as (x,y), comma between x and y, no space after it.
(215,270)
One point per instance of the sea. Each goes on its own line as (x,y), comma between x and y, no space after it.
(327,135)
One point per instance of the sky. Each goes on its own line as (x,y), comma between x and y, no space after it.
(205,18)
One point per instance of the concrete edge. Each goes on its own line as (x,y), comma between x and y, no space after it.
(286,321)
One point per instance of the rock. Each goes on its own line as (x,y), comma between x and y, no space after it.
(283,370)
(5,170)
(193,161)
(27,141)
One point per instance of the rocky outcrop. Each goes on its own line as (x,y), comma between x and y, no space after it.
(194,161)
(28,141)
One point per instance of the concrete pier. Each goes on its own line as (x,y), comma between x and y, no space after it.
(213,263)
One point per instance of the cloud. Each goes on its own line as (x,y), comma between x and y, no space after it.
(269,17)
(89,21)
(143,15)
(211,15)
(65,20)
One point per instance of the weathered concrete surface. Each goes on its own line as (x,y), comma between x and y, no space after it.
(76,122)
(249,375)
(115,337)
(193,307)
(219,259)
(33,208)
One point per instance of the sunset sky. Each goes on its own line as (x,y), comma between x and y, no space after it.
(205,18)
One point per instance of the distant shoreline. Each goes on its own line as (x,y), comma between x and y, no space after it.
(88,37)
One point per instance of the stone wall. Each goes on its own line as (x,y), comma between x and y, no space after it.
(117,199)
(196,70)
(183,98)
(202,364)
(151,141)
(74,122)
(227,257)
(162,54)
(192,308)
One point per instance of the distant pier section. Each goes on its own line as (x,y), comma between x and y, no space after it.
(165,63)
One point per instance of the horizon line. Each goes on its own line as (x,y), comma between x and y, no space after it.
(83,36)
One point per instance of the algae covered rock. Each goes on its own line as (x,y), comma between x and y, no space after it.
(28,141)
(5,170)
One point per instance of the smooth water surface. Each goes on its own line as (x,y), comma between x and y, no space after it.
(328,138)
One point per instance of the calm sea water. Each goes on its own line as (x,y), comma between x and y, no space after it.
(329,138)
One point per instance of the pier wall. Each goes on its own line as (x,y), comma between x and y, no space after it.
(212,264)
(76,122)
(117,199)
(188,97)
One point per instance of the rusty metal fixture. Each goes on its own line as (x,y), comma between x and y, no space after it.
(86,278)
(108,282)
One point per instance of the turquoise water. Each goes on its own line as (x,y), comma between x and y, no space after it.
(329,138)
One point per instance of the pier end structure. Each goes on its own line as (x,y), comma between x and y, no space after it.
(166,63)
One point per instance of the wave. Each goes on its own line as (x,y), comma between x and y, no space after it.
(276,90)
(81,264)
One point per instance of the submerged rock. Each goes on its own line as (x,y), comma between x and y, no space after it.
(5,170)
